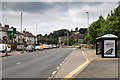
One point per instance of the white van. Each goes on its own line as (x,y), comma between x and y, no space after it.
(3,48)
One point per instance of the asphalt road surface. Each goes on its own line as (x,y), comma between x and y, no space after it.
(38,64)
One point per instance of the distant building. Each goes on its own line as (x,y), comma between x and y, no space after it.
(28,37)
(62,39)
(3,31)
(75,35)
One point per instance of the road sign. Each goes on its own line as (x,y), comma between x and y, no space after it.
(11,32)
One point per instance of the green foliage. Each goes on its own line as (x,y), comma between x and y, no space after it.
(109,26)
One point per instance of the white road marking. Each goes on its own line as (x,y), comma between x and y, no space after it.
(18,63)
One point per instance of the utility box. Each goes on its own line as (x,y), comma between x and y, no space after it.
(106,45)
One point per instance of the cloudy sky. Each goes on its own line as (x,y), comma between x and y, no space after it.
(50,16)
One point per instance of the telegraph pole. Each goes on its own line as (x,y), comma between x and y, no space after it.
(36,33)
(67,39)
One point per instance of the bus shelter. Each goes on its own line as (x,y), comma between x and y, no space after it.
(106,45)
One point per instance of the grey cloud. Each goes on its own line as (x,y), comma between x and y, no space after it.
(31,7)
(34,7)
(54,14)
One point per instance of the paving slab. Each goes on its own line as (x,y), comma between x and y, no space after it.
(100,67)
(75,59)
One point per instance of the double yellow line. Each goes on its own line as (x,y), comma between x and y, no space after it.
(54,72)
(78,68)
(74,71)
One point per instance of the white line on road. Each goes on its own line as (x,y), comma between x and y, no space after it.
(18,63)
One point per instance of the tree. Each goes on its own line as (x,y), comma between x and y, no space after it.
(109,26)
(96,29)
(83,30)
(76,29)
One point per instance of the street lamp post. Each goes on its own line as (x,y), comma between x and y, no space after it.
(88,25)
(21,27)
(21,22)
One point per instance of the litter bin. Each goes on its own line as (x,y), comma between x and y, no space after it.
(107,46)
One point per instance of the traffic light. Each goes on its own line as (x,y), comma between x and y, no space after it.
(14,36)
(5,38)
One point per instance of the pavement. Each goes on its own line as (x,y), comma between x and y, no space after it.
(11,53)
(76,67)
(39,64)
(75,59)
(100,67)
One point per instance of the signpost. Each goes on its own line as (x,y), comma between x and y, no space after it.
(11,33)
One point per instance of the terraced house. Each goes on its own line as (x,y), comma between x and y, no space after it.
(27,37)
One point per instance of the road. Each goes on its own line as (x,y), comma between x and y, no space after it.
(38,64)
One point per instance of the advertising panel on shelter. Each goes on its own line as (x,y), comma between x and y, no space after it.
(109,48)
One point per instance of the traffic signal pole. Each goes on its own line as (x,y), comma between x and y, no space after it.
(6,49)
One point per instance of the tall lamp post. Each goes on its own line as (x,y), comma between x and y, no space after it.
(88,25)
(21,27)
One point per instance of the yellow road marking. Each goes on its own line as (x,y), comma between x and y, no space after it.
(54,72)
(78,68)
(49,78)
(57,67)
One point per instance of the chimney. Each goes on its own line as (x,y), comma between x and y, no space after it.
(23,31)
(6,27)
(12,27)
(0,24)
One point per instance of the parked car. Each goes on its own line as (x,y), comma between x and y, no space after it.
(37,47)
(77,46)
(5,47)
(20,47)
(86,46)
(30,48)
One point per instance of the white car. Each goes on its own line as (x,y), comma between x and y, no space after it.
(45,46)
(37,47)
(3,48)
